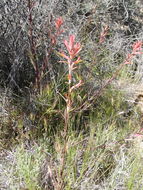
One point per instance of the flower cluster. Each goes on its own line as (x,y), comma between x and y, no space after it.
(73,50)
(136,50)
(58,24)
(72,59)
(72,47)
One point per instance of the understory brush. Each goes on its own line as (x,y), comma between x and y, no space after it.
(69,123)
(109,156)
(106,154)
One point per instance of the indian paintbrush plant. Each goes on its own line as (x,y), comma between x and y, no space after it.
(72,60)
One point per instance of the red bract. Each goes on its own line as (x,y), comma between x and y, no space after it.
(137,50)
(137,46)
(58,31)
(72,47)
(58,23)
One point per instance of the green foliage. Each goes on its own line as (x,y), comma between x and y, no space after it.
(60,136)
(27,166)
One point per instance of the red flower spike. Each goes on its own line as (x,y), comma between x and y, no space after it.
(137,50)
(59,21)
(137,46)
(73,49)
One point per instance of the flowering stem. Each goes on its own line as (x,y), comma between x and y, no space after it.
(73,49)
(136,50)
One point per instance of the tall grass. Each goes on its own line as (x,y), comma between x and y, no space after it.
(108,156)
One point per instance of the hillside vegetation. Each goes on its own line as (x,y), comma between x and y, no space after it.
(71,98)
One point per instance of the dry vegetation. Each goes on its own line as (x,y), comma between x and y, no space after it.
(71,111)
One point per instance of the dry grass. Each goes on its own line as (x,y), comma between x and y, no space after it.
(104,137)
